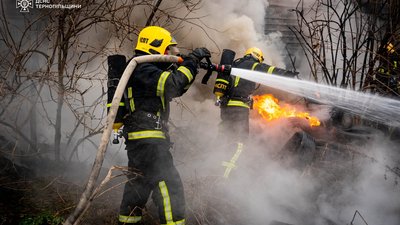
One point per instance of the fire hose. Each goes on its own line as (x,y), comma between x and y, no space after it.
(88,194)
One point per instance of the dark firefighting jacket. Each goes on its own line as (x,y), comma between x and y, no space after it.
(390,64)
(239,91)
(147,96)
(389,71)
(237,102)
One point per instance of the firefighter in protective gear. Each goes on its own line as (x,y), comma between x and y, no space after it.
(149,91)
(387,80)
(388,75)
(236,103)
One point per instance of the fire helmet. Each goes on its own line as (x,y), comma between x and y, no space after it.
(154,40)
(390,47)
(256,53)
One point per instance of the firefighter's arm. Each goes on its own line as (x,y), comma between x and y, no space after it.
(184,76)
(276,70)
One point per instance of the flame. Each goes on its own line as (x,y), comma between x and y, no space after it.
(267,105)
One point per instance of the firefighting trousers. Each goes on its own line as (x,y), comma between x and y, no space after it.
(233,133)
(234,126)
(160,179)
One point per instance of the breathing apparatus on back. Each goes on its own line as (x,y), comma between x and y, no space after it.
(151,40)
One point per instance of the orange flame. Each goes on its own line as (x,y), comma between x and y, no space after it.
(267,105)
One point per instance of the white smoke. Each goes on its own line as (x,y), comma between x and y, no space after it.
(236,25)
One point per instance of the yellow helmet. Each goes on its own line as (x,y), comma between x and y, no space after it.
(154,40)
(256,53)
(390,47)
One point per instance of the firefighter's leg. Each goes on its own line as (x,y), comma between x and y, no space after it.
(231,164)
(138,188)
(237,131)
(168,194)
(136,193)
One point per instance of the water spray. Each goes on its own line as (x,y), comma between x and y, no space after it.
(372,107)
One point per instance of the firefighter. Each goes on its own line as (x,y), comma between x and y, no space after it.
(388,75)
(388,81)
(149,91)
(236,102)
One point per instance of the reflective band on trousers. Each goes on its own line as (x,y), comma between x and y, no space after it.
(237,103)
(167,205)
(231,164)
(129,219)
(146,134)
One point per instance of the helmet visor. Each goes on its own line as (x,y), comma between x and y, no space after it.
(171,48)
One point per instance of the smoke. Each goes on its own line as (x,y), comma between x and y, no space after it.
(216,25)
(270,184)
(226,24)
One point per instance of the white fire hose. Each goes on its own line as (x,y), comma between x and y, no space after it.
(73,218)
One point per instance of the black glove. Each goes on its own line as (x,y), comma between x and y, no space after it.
(200,53)
(291,73)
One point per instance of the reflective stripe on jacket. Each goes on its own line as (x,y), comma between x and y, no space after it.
(150,89)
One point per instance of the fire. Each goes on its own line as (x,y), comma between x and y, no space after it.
(267,105)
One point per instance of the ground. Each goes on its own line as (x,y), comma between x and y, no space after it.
(47,196)
(28,198)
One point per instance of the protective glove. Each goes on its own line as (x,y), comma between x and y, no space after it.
(200,53)
(291,73)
